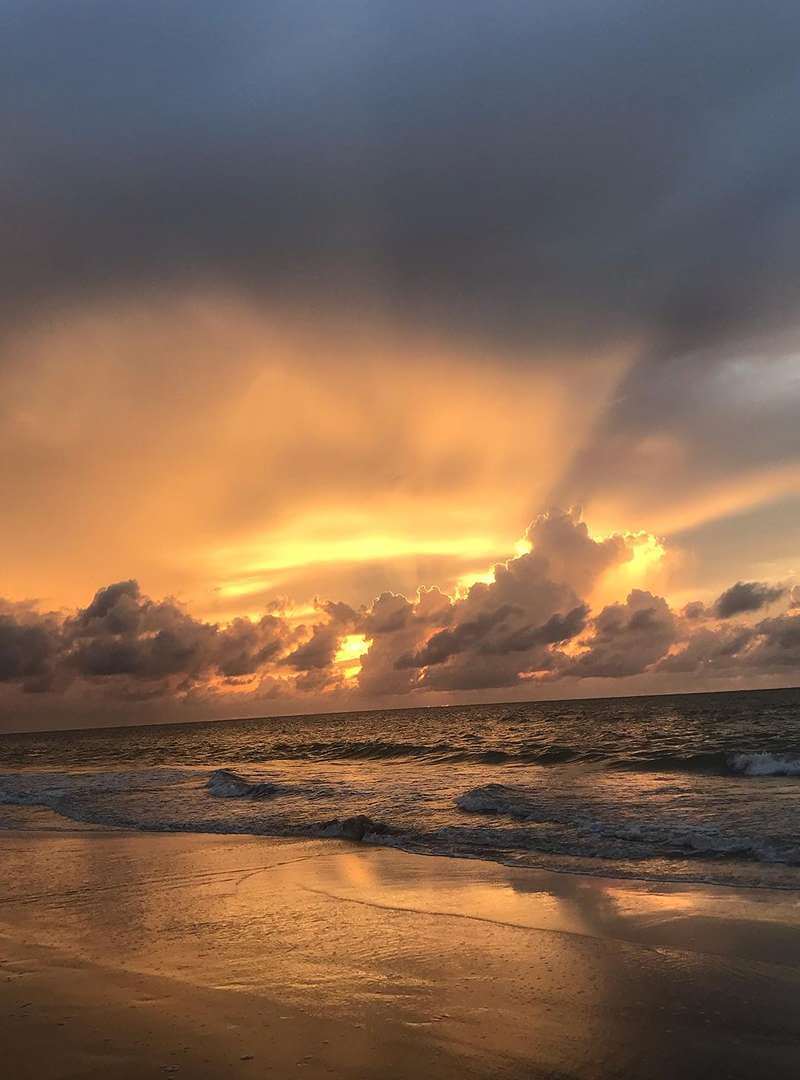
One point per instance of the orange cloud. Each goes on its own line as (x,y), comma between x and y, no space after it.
(223,453)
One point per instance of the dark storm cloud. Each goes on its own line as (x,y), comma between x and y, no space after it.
(496,165)
(778,643)
(746,596)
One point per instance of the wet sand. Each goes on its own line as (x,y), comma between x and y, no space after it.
(131,955)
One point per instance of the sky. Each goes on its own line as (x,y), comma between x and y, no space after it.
(371,354)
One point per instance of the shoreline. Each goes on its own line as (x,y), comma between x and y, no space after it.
(611,875)
(381,962)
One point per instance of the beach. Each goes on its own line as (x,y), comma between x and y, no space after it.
(137,955)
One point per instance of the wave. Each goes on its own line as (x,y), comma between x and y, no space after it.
(224,784)
(500,800)
(359,827)
(539,821)
(433,753)
(582,834)
(717,761)
(765,764)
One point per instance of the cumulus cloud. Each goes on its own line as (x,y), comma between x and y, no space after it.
(627,638)
(27,651)
(123,639)
(533,623)
(398,628)
(778,644)
(317,653)
(502,630)
(709,651)
(746,596)
(466,635)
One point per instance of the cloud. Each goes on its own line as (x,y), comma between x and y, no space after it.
(466,635)
(746,596)
(626,638)
(709,651)
(502,630)
(27,651)
(778,644)
(554,189)
(532,625)
(319,651)
(122,639)
(282,146)
(398,628)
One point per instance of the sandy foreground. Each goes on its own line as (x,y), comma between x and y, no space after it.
(203,956)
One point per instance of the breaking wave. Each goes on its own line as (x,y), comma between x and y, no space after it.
(716,761)
(563,830)
(764,764)
(225,784)
(359,827)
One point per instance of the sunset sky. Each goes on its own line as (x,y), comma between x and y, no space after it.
(368,354)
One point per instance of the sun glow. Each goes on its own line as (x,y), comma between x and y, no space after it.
(641,570)
(466,581)
(234,589)
(486,577)
(351,648)
(291,552)
(648,551)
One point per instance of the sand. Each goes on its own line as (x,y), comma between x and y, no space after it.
(133,955)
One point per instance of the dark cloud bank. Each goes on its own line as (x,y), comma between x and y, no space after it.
(548,178)
(528,627)
(499,165)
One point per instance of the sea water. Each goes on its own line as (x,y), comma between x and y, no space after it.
(702,787)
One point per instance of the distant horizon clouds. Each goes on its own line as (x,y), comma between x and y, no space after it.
(532,625)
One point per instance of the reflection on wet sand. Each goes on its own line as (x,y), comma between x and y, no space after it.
(504,968)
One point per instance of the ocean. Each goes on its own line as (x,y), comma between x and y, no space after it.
(701,787)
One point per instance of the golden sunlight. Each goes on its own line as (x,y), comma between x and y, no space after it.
(351,648)
(640,571)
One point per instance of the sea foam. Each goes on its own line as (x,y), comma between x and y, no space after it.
(764,764)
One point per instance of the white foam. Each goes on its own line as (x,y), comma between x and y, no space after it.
(764,764)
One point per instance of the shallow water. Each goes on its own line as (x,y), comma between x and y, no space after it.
(686,788)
